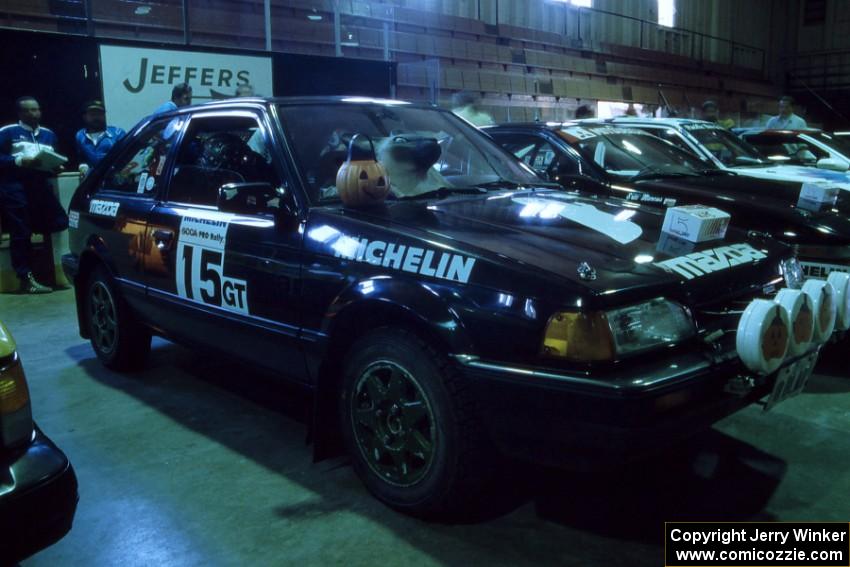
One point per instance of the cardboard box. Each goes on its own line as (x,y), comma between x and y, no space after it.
(696,223)
(819,192)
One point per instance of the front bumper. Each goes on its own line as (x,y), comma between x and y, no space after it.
(38,499)
(579,422)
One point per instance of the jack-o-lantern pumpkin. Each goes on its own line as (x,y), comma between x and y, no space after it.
(825,315)
(361,181)
(774,343)
(804,324)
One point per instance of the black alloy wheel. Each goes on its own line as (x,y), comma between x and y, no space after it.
(118,339)
(410,426)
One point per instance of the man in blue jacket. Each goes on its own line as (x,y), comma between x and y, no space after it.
(27,201)
(96,139)
(181,95)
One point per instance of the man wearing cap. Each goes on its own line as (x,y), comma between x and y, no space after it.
(27,201)
(96,139)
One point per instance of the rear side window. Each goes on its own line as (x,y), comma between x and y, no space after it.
(218,150)
(142,163)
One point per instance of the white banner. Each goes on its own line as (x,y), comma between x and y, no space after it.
(137,80)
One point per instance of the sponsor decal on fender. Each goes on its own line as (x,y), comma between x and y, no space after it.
(74,219)
(706,262)
(817,270)
(103,208)
(647,198)
(412,259)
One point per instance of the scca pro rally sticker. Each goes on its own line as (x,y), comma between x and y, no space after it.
(103,208)
(200,275)
(706,262)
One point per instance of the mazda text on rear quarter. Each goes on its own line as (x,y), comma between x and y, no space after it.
(444,306)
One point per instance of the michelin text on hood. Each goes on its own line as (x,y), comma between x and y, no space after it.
(412,259)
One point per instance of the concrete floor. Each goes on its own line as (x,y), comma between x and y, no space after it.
(199,462)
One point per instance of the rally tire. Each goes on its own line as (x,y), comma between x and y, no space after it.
(460,461)
(118,339)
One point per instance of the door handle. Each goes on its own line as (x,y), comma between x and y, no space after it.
(163,238)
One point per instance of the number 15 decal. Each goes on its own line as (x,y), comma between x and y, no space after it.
(200,265)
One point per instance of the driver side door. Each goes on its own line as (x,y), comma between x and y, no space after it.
(229,280)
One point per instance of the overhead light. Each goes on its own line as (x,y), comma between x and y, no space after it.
(314,16)
(142,10)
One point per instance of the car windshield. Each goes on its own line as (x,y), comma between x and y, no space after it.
(787,148)
(426,152)
(724,145)
(631,153)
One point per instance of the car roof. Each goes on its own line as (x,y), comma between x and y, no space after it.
(778,132)
(662,121)
(554,125)
(266,101)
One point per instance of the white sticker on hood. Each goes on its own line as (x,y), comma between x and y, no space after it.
(699,264)
(617,227)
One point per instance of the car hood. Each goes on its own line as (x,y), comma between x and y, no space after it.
(772,206)
(795,173)
(546,239)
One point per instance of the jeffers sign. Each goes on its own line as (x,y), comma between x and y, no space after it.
(137,80)
(171,74)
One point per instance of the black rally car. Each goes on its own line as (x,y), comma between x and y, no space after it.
(472,313)
(619,161)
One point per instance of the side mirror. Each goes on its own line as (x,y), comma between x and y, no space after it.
(248,198)
(563,172)
(832,164)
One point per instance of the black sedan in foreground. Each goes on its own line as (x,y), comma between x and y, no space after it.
(38,488)
(618,161)
(442,304)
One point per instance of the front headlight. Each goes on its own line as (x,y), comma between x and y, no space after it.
(792,271)
(586,337)
(648,325)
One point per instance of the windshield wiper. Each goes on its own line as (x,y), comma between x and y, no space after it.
(443,192)
(712,171)
(657,171)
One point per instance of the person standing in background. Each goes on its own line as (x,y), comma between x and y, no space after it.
(711,113)
(97,138)
(786,119)
(244,90)
(585,111)
(467,105)
(181,95)
(27,202)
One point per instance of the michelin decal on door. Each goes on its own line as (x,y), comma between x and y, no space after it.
(201,250)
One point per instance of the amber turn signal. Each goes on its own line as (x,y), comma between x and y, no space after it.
(580,337)
(13,388)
